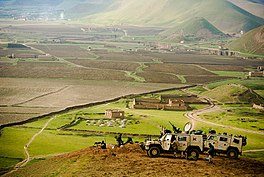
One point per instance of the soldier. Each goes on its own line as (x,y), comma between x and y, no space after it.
(119,140)
(211,153)
(103,145)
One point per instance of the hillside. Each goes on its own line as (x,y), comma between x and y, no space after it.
(130,160)
(233,93)
(252,42)
(254,7)
(36,2)
(221,13)
(81,8)
(193,29)
(257,1)
(226,16)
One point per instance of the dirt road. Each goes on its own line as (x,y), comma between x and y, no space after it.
(193,116)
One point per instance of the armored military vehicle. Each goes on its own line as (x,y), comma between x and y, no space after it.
(226,144)
(190,145)
(193,143)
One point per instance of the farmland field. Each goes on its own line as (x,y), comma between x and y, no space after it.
(59,70)
(57,73)
(114,65)
(55,139)
(132,57)
(242,116)
(65,51)
(178,69)
(62,66)
(201,59)
(224,68)
(28,97)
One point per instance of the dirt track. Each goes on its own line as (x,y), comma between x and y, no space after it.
(132,161)
(193,116)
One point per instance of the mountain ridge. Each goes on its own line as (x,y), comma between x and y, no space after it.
(224,15)
(194,29)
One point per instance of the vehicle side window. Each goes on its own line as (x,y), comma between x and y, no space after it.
(236,141)
(168,137)
(182,138)
(223,139)
(212,138)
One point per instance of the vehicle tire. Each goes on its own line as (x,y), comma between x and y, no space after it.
(232,153)
(154,152)
(193,154)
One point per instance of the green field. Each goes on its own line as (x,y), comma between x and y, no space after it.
(242,116)
(79,70)
(12,142)
(80,135)
(253,83)
(254,141)
(230,74)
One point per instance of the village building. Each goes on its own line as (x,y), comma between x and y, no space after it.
(260,68)
(160,46)
(147,103)
(259,107)
(221,51)
(258,73)
(177,105)
(114,113)
(189,99)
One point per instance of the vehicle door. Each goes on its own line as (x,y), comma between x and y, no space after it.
(213,140)
(166,142)
(183,142)
(223,143)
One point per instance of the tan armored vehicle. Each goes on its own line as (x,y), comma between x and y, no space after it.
(172,143)
(191,145)
(226,144)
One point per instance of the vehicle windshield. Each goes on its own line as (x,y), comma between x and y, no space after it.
(166,137)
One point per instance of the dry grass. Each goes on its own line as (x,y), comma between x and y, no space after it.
(132,161)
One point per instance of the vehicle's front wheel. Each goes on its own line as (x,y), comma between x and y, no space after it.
(193,154)
(154,152)
(232,153)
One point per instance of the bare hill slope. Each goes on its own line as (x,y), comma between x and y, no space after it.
(130,160)
(193,29)
(224,15)
(252,42)
(253,7)
(233,93)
